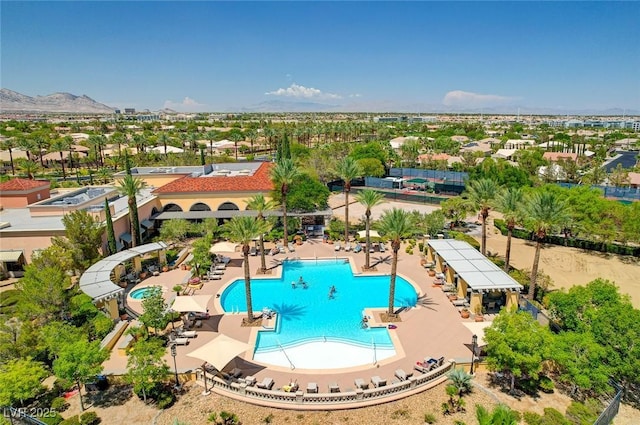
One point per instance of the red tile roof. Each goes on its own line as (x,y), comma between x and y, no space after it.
(18,184)
(259,181)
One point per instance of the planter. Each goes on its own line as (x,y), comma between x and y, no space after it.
(143,275)
(465,314)
(452,297)
(432,272)
(165,268)
(479,318)
(183,267)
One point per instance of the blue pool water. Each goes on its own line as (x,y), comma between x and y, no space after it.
(309,314)
(140,293)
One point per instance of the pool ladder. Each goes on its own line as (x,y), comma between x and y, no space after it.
(285,355)
(375,356)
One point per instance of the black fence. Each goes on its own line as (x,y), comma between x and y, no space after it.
(20,417)
(610,412)
(620,193)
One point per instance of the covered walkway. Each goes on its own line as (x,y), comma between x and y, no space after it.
(478,280)
(96,281)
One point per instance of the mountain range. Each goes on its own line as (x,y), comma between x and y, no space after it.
(11,101)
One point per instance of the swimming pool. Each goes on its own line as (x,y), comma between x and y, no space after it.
(309,316)
(140,293)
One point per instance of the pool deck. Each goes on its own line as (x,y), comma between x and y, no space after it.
(432,329)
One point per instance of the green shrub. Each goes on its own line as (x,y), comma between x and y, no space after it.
(52,420)
(401,413)
(546,384)
(553,417)
(59,404)
(420,246)
(532,418)
(89,418)
(61,385)
(165,400)
(430,418)
(268,419)
(73,420)
(466,238)
(583,414)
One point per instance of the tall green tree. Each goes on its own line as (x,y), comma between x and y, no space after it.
(130,187)
(456,209)
(243,230)
(510,202)
(146,366)
(154,309)
(395,224)
(283,175)
(83,238)
(260,204)
(544,211)
(60,145)
(44,292)
(517,345)
(9,145)
(347,169)
(20,380)
(111,236)
(481,194)
(79,361)
(369,198)
(201,260)
(174,230)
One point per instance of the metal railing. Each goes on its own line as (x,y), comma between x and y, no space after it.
(612,409)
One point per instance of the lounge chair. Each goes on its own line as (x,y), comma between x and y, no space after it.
(378,382)
(180,341)
(312,388)
(371,248)
(291,247)
(359,383)
(402,375)
(357,248)
(187,334)
(347,246)
(334,388)
(253,251)
(275,250)
(266,384)
(382,247)
(249,380)
(221,267)
(337,247)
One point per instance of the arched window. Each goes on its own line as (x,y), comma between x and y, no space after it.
(172,207)
(228,206)
(199,206)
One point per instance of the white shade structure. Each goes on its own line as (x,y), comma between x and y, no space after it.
(372,234)
(188,303)
(223,247)
(219,351)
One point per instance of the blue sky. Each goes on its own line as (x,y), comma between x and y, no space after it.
(368,56)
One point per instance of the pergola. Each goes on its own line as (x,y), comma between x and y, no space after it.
(96,280)
(471,271)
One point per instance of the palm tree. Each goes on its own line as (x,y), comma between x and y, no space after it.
(130,187)
(259,204)
(347,169)
(9,145)
(283,175)
(395,224)
(544,212)
(243,230)
(481,195)
(509,203)
(104,174)
(235,138)
(28,167)
(369,198)
(60,145)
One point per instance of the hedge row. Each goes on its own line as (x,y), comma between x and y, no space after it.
(589,245)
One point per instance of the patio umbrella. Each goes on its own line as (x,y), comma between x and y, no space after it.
(372,234)
(223,247)
(187,303)
(477,328)
(219,351)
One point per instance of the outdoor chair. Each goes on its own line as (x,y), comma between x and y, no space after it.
(337,247)
(378,382)
(359,383)
(402,375)
(266,384)
(249,380)
(334,388)
(312,388)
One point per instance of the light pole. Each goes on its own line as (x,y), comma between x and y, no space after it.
(474,345)
(174,353)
